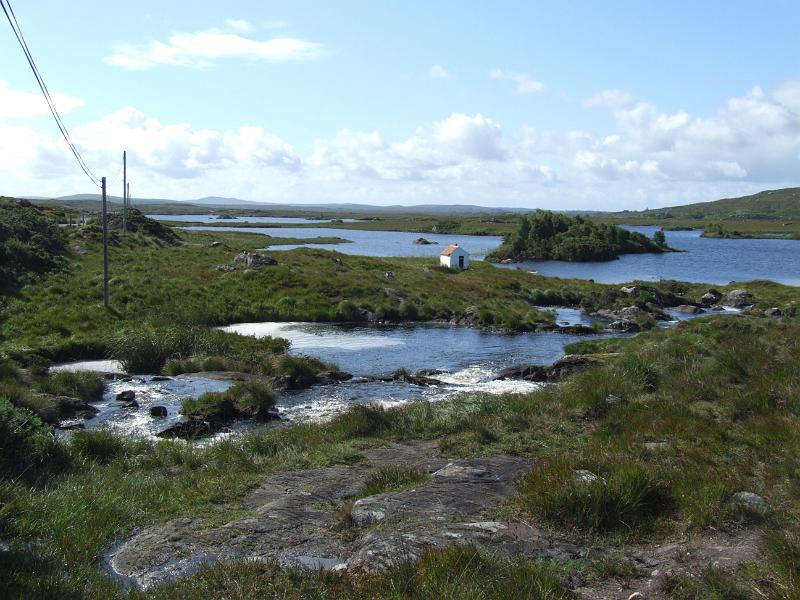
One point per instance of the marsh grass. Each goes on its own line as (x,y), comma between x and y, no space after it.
(84,385)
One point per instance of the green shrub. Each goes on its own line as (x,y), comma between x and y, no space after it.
(348,312)
(102,446)
(296,366)
(27,445)
(83,384)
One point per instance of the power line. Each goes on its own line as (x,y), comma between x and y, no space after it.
(12,20)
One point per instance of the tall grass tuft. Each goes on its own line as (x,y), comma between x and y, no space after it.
(627,498)
(84,385)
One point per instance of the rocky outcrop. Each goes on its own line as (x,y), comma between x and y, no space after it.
(191,428)
(292,518)
(738,298)
(55,409)
(565,365)
(624,325)
(423,242)
(421,378)
(710,297)
(254,259)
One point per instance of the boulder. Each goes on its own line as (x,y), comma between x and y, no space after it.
(577,329)
(423,242)
(191,428)
(689,309)
(254,259)
(328,377)
(54,409)
(738,298)
(585,476)
(394,293)
(158,411)
(632,311)
(216,244)
(624,325)
(126,396)
(506,261)
(773,312)
(630,290)
(710,297)
(569,363)
(526,372)
(226,268)
(131,404)
(751,502)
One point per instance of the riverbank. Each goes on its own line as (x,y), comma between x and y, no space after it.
(684,421)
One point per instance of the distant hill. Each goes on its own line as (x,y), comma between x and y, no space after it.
(772,205)
(92,201)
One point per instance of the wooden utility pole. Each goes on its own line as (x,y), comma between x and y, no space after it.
(105,247)
(124,191)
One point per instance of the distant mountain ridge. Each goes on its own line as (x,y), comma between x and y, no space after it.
(222,202)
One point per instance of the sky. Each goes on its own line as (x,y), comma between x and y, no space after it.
(564,105)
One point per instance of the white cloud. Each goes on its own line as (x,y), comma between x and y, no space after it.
(439,72)
(203,48)
(609,99)
(649,158)
(525,85)
(21,104)
(240,25)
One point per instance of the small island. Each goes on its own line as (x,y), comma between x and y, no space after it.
(546,235)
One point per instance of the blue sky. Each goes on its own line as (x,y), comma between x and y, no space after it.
(562,105)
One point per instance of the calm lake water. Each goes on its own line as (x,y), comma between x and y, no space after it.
(215,219)
(376,243)
(706,260)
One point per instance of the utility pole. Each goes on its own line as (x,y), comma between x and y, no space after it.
(129,193)
(105,247)
(124,191)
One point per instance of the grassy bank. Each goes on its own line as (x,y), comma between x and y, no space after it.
(697,414)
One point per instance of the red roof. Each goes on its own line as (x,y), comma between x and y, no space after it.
(450,249)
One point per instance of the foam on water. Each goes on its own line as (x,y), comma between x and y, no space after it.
(98,366)
(304,336)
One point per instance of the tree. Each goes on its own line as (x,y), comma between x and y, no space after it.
(659,238)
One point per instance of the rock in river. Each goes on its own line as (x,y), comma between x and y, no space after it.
(689,309)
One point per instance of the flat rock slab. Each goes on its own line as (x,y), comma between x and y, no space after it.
(295,518)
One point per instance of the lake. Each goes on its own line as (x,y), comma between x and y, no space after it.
(705,260)
(215,219)
(375,243)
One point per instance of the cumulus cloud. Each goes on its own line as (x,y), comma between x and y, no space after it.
(21,104)
(525,85)
(650,158)
(439,72)
(201,49)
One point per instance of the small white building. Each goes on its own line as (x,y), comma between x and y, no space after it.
(454,257)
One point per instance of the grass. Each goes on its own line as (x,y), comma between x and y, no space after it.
(243,400)
(392,478)
(83,385)
(724,399)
